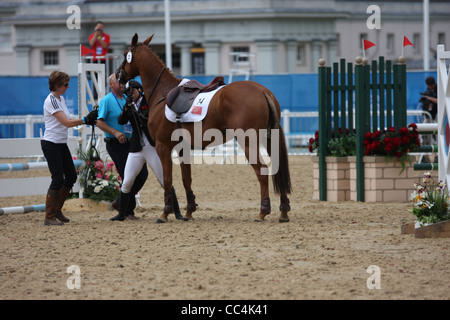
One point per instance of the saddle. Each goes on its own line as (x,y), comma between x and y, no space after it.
(180,98)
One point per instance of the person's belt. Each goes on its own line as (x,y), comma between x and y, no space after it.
(108,140)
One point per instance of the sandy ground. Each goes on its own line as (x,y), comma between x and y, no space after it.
(322,253)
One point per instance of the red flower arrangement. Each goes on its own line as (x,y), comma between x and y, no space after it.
(393,143)
(341,144)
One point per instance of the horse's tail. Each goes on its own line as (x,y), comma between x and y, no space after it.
(282,178)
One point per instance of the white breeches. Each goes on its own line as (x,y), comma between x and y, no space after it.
(135,162)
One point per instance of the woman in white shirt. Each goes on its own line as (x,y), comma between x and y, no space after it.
(55,149)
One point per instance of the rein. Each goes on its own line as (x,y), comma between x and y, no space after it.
(156,83)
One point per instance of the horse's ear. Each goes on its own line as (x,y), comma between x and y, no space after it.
(147,41)
(134,40)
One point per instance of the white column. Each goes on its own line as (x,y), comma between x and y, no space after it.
(267,56)
(212,57)
(291,55)
(23,59)
(186,57)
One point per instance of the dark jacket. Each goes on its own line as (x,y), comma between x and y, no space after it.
(138,119)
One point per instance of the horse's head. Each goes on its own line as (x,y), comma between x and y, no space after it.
(128,70)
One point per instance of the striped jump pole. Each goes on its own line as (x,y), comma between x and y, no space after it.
(427,128)
(23,209)
(5,167)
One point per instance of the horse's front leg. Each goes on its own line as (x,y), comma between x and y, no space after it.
(166,161)
(187,183)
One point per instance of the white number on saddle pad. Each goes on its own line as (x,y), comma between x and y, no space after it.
(129,57)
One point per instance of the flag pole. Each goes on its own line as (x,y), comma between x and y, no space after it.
(426,35)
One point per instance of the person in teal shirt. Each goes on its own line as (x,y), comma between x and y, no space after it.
(117,139)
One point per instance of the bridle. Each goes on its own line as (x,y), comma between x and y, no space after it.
(122,68)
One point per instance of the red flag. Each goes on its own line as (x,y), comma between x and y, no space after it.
(368,44)
(85,50)
(406,42)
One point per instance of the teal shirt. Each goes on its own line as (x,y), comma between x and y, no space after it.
(110,108)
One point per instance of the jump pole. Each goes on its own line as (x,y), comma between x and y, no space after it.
(31,166)
(24,209)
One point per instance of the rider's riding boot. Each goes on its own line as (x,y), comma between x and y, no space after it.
(51,202)
(123,204)
(62,196)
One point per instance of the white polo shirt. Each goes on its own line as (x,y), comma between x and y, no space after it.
(55,131)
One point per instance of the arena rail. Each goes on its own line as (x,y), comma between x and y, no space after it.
(27,148)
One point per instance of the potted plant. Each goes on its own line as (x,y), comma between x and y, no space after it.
(100,181)
(340,147)
(431,201)
(393,143)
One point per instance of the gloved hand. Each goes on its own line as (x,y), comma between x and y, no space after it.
(91,118)
(129,100)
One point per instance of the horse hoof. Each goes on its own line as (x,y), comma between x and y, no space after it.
(258,220)
(282,220)
(160,221)
(182,218)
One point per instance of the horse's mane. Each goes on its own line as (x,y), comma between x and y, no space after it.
(155,56)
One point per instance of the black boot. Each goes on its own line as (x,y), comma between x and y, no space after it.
(123,204)
(176,207)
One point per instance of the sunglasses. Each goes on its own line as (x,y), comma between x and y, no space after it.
(66,85)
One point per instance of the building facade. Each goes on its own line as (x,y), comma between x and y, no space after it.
(212,37)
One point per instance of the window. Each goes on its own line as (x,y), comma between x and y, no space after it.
(241,55)
(362,36)
(198,60)
(50,58)
(390,43)
(416,42)
(300,54)
(441,38)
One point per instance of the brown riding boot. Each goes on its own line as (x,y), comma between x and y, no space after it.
(50,206)
(62,196)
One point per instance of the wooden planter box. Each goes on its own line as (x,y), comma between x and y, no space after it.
(338,178)
(382,181)
(435,230)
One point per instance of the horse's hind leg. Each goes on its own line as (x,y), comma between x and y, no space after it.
(284,200)
(187,183)
(252,152)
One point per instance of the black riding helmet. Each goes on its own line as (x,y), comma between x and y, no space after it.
(131,85)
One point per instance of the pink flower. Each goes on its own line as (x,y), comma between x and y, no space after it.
(99,165)
(99,175)
(110,165)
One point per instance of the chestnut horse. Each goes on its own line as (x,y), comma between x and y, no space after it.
(242,105)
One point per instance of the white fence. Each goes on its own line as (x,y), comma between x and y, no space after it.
(13,148)
(305,124)
(443,90)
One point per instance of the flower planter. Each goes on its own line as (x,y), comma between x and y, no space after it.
(429,230)
(382,179)
(338,178)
